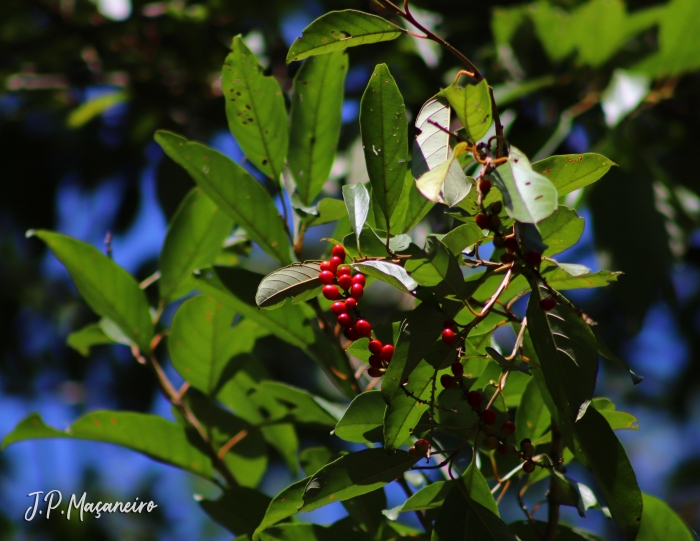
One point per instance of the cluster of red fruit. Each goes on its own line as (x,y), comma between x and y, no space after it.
(419,449)
(333,275)
(489,219)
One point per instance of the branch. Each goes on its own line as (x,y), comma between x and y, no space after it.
(554,497)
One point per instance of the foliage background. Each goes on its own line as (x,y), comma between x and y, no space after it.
(84,86)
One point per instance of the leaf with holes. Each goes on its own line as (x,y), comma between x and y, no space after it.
(338,30)
(472,104)
(384,139)
(105,286)
(257,116)
(528,196)
(573,171)
(567,350)
(195,237)
(288,282)
(233,190)
(314,123)
(151,435)
(391,273)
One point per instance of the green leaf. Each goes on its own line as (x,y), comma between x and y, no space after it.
(313,459)
(606,352)
(235,287)
(526,532)
(528,196)
(202,341)
(462,237)
(195,236)
(560,231)
(609,463)
(151,435)
(297,279)
(247,460)
(354,474)
(238,509)
(446,183)
(106,287)
(315,119)
(87,337)
(366,511)
(417,205)
(384,139)
(472,104)
(618,420)
(532,418)
(391,273)
(233,190)
(300,405)
(93,108)
(660,522)
(561,280)
(343,530)
(470,513)
(284,505)
(363,420)
(567,350)
(338,30)
(257,116)
(356,199)
(431,496)
(573,171)
(329,210)
(440,268)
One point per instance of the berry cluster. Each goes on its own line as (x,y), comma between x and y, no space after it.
(455,380)
(419,449)
(335,275)
(490,218)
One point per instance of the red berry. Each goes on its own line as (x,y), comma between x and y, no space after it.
(457,369)
(387,352)
(375,346)
(447,381)
(345,320)
(494,222)
(351,334)
(488,416)
(331,293)
(448,336)
(502,449)
(483,221)
(356,291)
(339,308)
(451,324)
(364,328)
(484,187)
(326,277)
(376,361)
(335,263)
(325,265)
(343,270)
(474,399)
(529,466)
(548,303)
(511,244)
(375,372)
(507,428)
(345,281)
(422,447)
(507,258)
(534,258)
(351,303)
(339,252)
(359,279)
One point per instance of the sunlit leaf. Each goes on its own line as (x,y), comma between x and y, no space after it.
(390,273)
(573,171)
(356,199)
(446,183)
(106,287)
(363,420)
(314,123)
(233,190)
(338,30)
(472,104)
(257,116)
(660,522)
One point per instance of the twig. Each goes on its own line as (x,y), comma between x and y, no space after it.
(426,402)
(554,497)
